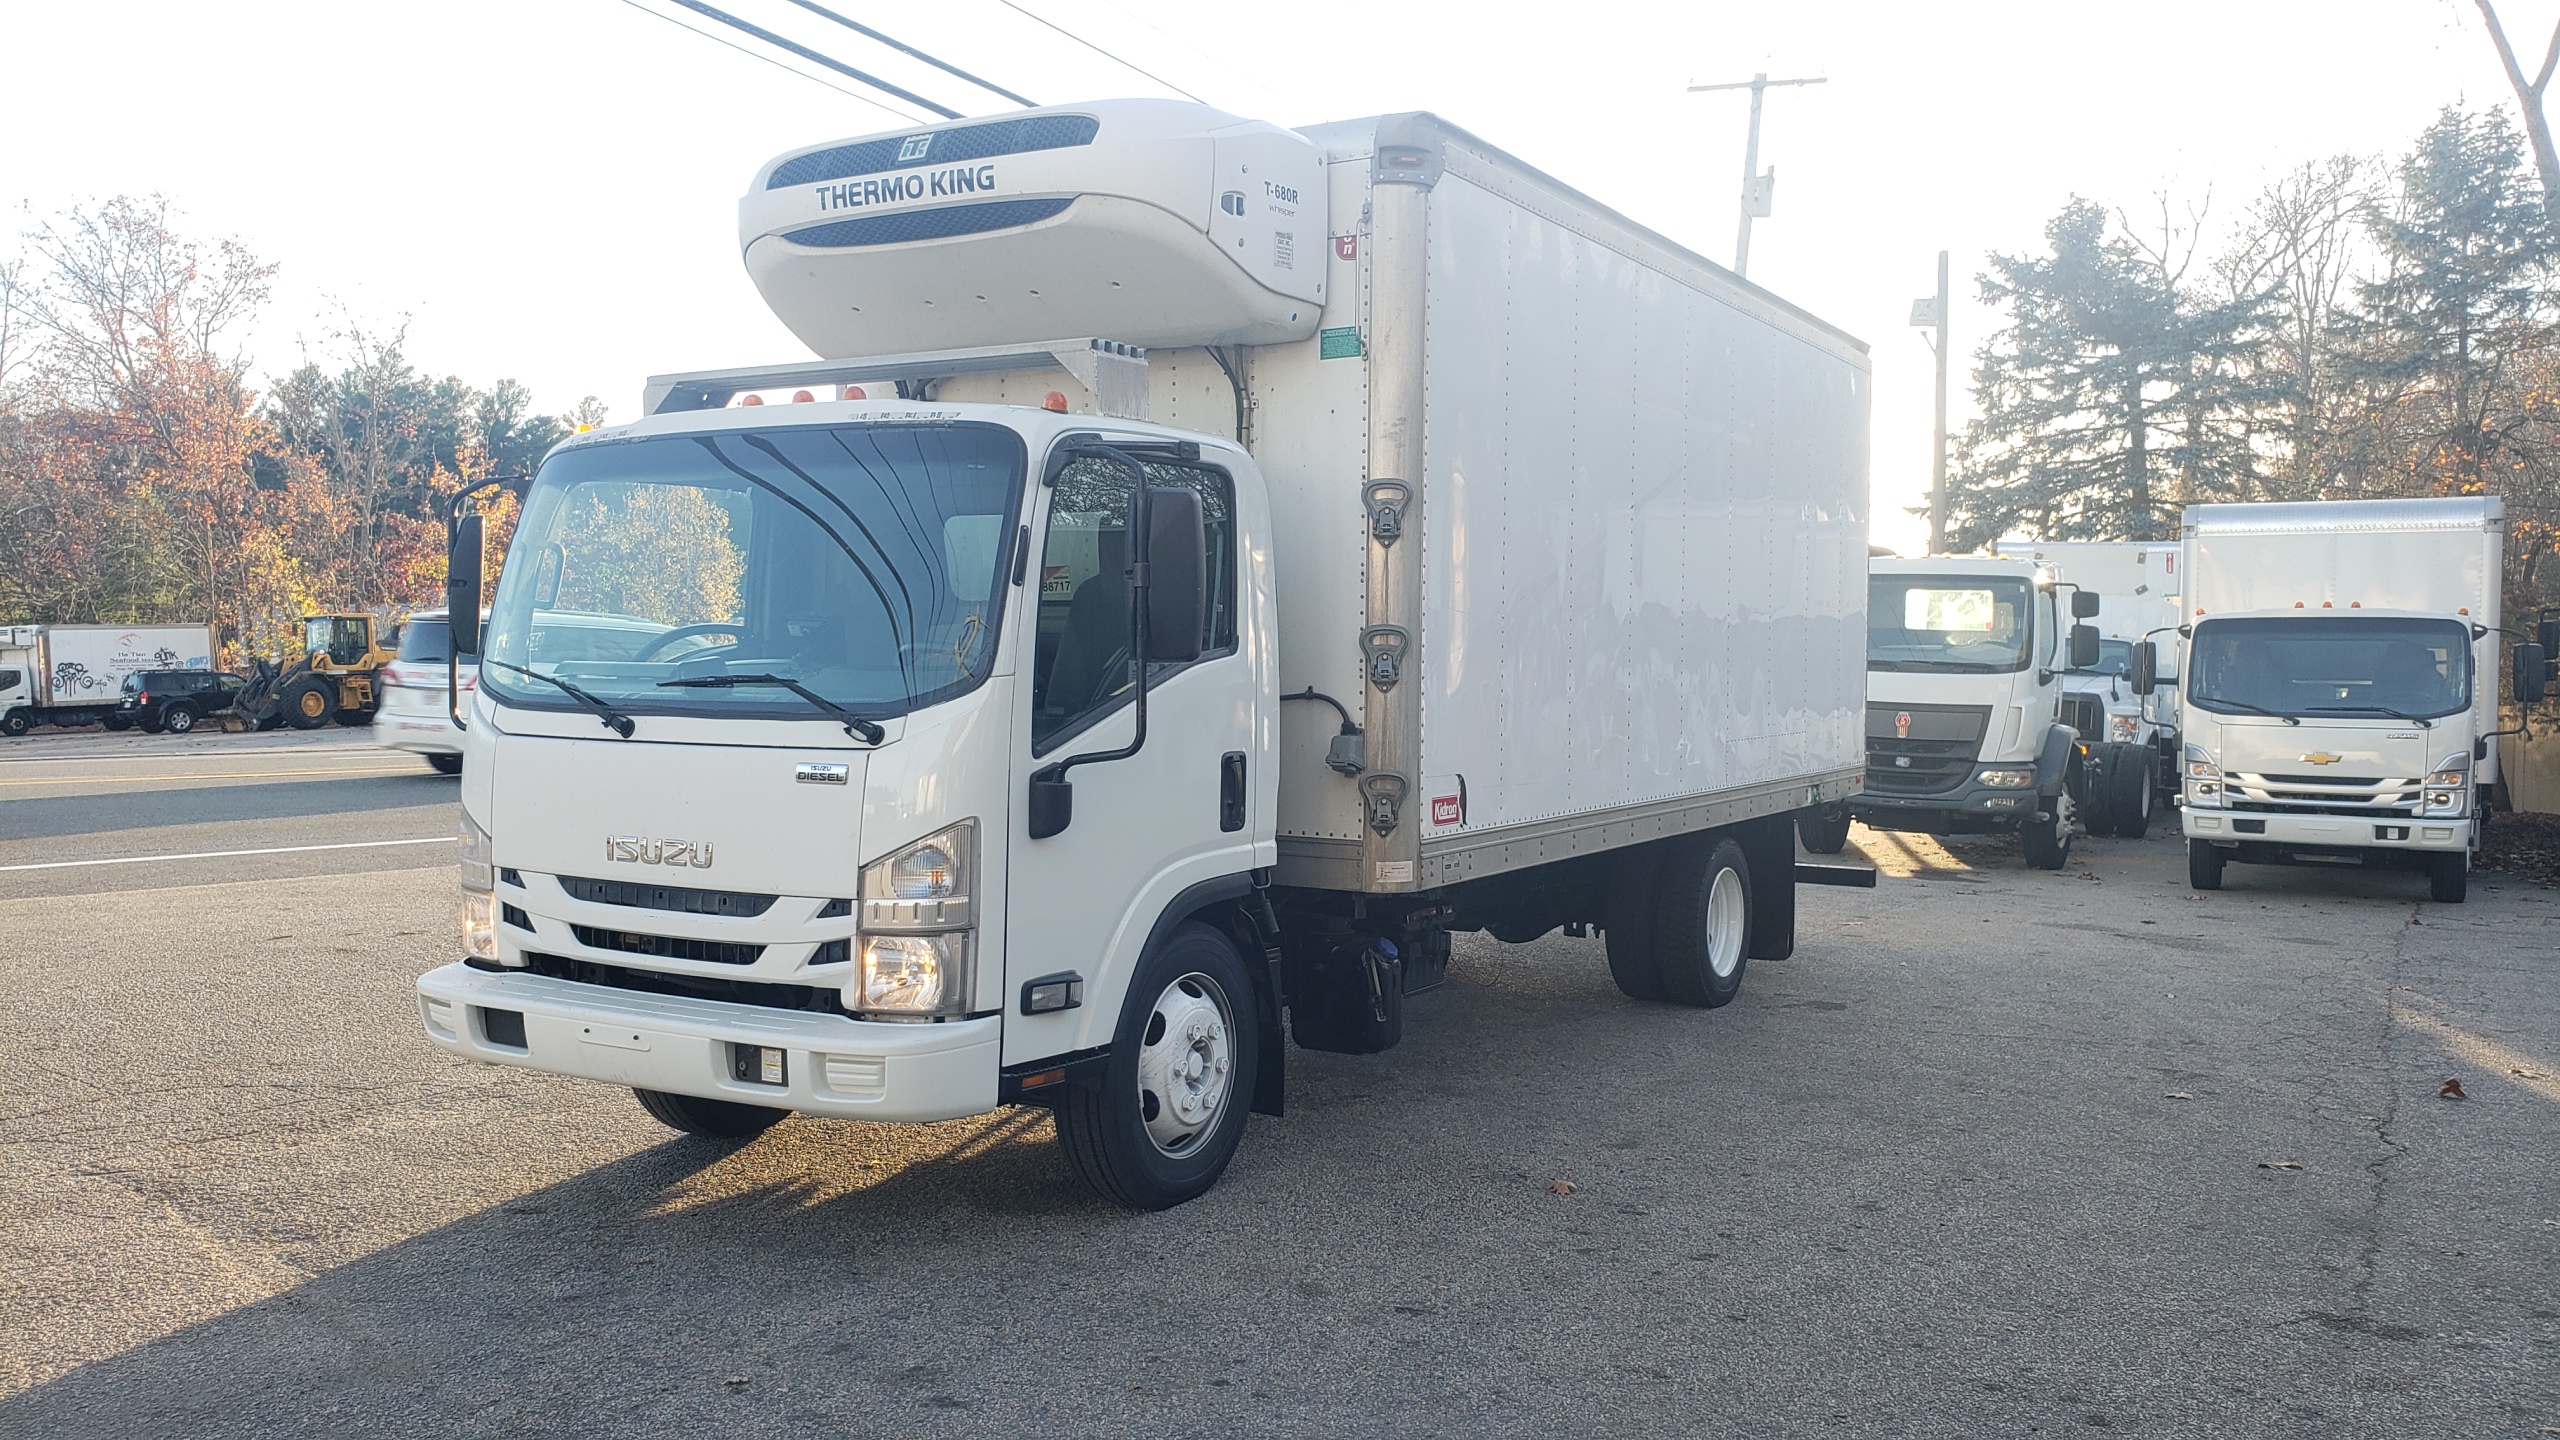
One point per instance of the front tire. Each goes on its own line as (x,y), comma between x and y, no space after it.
(446,764)
(2129,791)
(1160,1123)
(2204,865)
(711,1119)
(15,724)
(1824,829)
(2448,878)
(1704,930)
(308,705)
(2048,841)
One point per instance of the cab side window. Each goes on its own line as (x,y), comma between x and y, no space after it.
(1080,665)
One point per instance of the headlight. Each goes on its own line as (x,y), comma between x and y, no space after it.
(919,923)
(2122,728)
(2008,779)
(479,892)
(2449,787)
(2204,778)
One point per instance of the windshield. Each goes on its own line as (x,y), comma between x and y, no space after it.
(862,561)
(2115,657)
(1947,622)
(425,642)
(2332,665)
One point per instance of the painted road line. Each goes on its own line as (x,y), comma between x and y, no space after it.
(230,854)
(223,775)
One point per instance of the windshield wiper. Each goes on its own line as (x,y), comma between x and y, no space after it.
(614,720)
(854,725)
(2245,705)
(2418,720)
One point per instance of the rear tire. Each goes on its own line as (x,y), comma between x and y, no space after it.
(711,1119)
(446,764)
(1629,917)
(2204,865)
(113,722)
(308,704)
(150,724)
(1159,1124)
(2129,791)
(1824,829)
(1702,938)
(353,718)
(178,719)
(2048,841)
(2448,878)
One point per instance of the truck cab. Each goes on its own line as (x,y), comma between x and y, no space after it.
(1967,708)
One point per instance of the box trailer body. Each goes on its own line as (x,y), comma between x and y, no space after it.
(71,674)
(1543,542)
(2340,682)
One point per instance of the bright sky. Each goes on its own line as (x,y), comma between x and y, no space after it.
(546,189)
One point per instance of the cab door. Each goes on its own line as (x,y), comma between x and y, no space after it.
(1146,828)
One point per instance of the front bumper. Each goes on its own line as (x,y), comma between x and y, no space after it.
(424,734)
(835,1065)
(1971,807)
(2325,832)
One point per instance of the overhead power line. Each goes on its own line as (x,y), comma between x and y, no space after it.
(805,53)
(899,45)
(769,60)
(1098,50)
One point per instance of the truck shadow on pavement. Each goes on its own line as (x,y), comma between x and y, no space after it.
(53,817)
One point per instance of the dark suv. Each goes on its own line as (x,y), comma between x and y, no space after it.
(174,700)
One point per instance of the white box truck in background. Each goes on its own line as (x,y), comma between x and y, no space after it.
(2340,684)
(2133,765)
(73,674)
(1497,565)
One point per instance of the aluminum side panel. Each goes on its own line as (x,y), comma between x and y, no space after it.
(1644,529)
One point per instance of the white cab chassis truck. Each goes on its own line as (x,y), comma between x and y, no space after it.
(2133,765)
(2340,684)
(1490,563)
(1969,726)
(74,674)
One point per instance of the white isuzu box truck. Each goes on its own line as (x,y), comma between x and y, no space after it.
(2340,684)
(1490,563)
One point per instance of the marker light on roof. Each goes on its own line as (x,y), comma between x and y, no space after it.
(1054,400)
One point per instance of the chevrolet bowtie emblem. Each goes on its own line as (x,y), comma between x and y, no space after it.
(2321,757)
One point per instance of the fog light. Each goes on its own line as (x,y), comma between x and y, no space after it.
(907,972)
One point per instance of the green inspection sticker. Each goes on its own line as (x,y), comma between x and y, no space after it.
(1341,344)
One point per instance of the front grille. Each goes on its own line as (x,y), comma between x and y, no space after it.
(698,987)
(665,897)
(2321,794)
(1917,767)
(939,224)
(944,147)
(667,947)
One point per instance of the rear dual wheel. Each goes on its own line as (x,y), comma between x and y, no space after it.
(1680,922)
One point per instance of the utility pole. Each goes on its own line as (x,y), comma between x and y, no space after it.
(1757,187)
(1930,312)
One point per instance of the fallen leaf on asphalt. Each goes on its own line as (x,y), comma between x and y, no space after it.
(2526,1074)
(736,1382)
(2150,922)
(2279,1164)
(1562,1187)
(2179,1095)
(2451,1090)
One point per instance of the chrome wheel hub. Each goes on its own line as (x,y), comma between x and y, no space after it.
(1186,1064)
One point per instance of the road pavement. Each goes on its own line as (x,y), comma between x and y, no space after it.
(1999,1152)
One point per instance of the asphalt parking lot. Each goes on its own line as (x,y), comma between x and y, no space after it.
(1999,1152)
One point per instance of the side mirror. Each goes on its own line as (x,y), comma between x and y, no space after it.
(462,586)
(2533,674)
(2547,635)
(2084,645)
(1053,804)
(1177,574)
(2084,604)
(2146,667)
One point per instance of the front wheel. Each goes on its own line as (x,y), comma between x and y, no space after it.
(2448,877)
(15,724)
(2204,865)
(446,764)
(308,704)
(1824,829)
(711,1119)
(1159,1124)
(2129,791)
(2048,841)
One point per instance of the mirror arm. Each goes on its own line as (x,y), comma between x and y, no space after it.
(512,480)
(1141,512)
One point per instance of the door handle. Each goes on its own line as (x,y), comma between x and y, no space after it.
(1231,790)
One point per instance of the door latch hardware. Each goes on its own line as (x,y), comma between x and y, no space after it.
(1387,500)
(1382,796)
(1385,647)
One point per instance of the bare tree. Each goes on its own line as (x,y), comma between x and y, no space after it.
(2302,240)
(2529,100)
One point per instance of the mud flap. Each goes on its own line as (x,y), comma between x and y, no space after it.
(1769,844)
